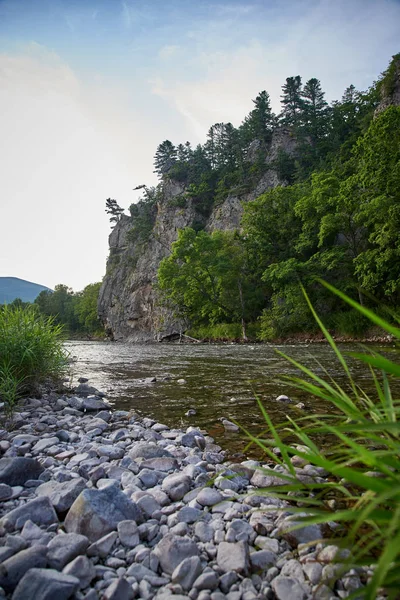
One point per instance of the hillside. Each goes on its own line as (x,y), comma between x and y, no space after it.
(13,287)
(235,225)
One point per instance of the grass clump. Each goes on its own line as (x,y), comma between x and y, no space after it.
(31,353)
(361,458)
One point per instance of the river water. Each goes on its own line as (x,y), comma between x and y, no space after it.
(221,380)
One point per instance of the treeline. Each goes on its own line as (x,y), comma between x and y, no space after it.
(232,159)
(75,311)
(338,219)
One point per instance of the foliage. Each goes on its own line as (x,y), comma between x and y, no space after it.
(208,279)
(362,459)
(31,352)
(113,209)
(224,332)
(143,215)
(76,312)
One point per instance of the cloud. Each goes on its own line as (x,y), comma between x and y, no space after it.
(340,43)
(69,146)
(168,51)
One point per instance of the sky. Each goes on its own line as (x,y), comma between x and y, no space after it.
(89,88)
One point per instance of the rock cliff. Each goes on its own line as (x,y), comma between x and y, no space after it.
(128,303)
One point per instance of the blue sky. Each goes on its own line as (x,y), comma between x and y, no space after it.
(89,88)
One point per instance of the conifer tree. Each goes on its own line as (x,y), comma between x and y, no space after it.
(165,158)
(292,101)
(261,120)
(314,109)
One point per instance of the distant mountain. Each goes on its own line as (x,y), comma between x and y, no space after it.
(13,287)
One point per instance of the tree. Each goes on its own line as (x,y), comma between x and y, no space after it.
(86,308)
(165,158)
(113,209)
(261,121)
(206,277)
(314,110)
(292,102)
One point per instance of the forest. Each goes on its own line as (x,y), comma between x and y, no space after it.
(335,216)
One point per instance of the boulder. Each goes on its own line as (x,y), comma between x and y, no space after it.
(120,589)
(98,512)
(13,569)
(46,584)
(233,557)
(39,511)
(187,572)
(82,569)
(65,547)
(62,495)
(172,550)
(148,450)
(176,486)
(16,471)
(208,497)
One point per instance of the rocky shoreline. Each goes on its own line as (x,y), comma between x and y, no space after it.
(101,504)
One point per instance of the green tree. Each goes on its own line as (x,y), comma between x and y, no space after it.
(165,158)
(113,209)
(292,102)
(86,309)
(261,121)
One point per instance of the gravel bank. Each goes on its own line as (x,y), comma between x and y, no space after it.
(102,504)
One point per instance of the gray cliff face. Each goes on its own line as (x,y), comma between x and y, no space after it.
(390,91)
(128,303)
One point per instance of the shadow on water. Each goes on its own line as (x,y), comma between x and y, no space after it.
(220,381)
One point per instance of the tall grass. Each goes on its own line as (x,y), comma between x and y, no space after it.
(31,353)
(362,457)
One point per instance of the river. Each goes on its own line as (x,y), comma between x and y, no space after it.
(221,380)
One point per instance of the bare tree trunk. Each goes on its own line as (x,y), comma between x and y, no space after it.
(244,333)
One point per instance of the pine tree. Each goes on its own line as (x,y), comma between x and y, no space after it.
(165,158)
(113,209)
(292,102)
(261,120)
(314,110)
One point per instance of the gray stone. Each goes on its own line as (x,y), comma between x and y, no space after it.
(43,444)
(5,492)
(187,572)
(262,560)
(64,548)
(34,535)
(120,589)
(17,470)
(46,584)
(204,531)
(92,403)
(233,557)
(206,581)
(39,511)
(267,478)
(96,512)
(160,463)
(292,568)
(147,450)
(128,533)
(82,569)
(304,535)
(176,486)
(14,568)
(148,505)
(313,571)
(172,550)
(208,497)
(112,452)
(227,580)
(103,546)
(286,588)
(62,495)
(188,514)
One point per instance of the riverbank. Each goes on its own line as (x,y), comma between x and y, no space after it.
(103,504)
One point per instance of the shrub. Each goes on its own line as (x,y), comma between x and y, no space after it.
(362,459)
(31,353)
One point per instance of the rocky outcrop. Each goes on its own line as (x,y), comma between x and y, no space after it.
(390,86)
(128,303)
